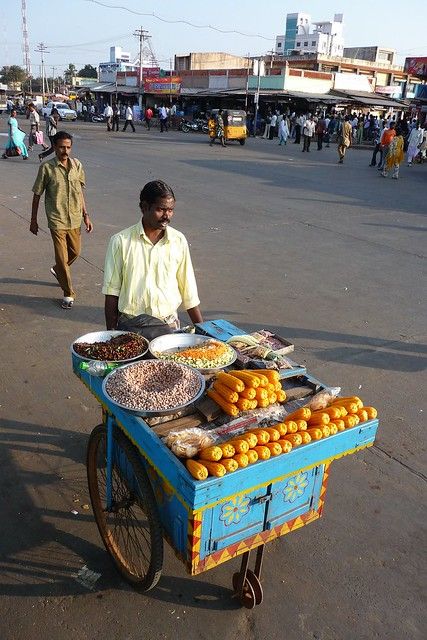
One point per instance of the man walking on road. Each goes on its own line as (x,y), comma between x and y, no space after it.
(163,115)
(62,180)
(308,133)
(129,118)
(116,117)
(148,271)
(344,139)
(108,115)
(148,116)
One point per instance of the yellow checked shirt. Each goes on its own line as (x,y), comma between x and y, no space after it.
(63,193)
(153,279)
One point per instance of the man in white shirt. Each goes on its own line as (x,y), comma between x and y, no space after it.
(34,119)
(129,118)
(163,116)
(108,115)
(308,133)
(273,125)
(299,123)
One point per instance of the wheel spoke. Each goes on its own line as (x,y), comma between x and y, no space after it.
(130,529)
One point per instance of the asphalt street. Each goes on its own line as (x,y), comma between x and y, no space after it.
(331,257)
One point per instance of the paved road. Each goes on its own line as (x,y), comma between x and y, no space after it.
(333,257)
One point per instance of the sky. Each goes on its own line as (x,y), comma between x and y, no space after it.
(81,31)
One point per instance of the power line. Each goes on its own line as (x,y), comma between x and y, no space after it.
(85,44)
(180,21)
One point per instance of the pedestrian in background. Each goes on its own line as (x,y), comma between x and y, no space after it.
(395,155)
(273,127)
(414,142)
(129,118)
(163,116)
(377,149)
(62,180)
(344,139)
(116,117)
(108,115)
(220,128)
(148,116)
(34,119)
(320,132)
(386,138)
(15,145)
(283,131)
(51,131)
(299,123)
(266,133)
(211,129)
(308,133)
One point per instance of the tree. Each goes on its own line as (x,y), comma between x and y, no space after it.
(70,73)
(13,74)
(88,71)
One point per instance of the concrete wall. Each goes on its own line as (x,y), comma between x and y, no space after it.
(209,60)
(308,81)
(267,82)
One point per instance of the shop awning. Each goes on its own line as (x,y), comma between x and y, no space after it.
(368,99)
(110,87)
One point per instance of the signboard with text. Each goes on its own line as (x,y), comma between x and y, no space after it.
(416,67)
(170,85)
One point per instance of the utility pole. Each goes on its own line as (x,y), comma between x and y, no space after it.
(143,36)
(247,83)
(257,96)
(170,82)
(53,79)
(42,49)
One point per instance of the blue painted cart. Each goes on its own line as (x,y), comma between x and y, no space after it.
(141,493)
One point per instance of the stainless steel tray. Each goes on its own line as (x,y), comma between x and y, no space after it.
(103,336)
(173,341)
(146,413)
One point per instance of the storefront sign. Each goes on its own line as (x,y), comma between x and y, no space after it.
(416,67)
(167,86)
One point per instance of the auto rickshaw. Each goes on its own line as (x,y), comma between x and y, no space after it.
(235,125)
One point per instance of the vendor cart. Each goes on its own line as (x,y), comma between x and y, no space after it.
(141,493)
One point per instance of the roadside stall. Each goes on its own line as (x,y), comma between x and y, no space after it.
(217,442)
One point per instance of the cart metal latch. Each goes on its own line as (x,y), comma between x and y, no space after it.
(261,499)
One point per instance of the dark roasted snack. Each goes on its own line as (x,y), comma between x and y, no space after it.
(121,347)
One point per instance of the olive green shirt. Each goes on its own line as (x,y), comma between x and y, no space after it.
(63,192)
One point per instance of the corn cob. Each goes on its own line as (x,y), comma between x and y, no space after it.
(213,454)
(196,469)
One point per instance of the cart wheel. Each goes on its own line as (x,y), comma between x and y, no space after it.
(256,586)
(246,595)
(131,530)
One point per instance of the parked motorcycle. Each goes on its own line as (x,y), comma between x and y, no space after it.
(98,118)
(193,125)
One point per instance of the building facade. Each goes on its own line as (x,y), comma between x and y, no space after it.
(372,54)
(203,61)
(303,36)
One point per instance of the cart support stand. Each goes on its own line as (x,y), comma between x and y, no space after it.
(246,583)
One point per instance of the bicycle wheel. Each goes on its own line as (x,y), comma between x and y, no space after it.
(131,529)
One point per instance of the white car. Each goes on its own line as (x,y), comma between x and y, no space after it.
(65,113)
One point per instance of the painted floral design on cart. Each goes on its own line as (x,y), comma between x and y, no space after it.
(232,512)
(295,487)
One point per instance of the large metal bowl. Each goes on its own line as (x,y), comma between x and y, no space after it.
(174,341)
(104,336)
(145,412)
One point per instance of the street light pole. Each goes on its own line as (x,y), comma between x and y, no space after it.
(257,96)
(42,49)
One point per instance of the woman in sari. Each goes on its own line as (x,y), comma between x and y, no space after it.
(16,138)
(394,156)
